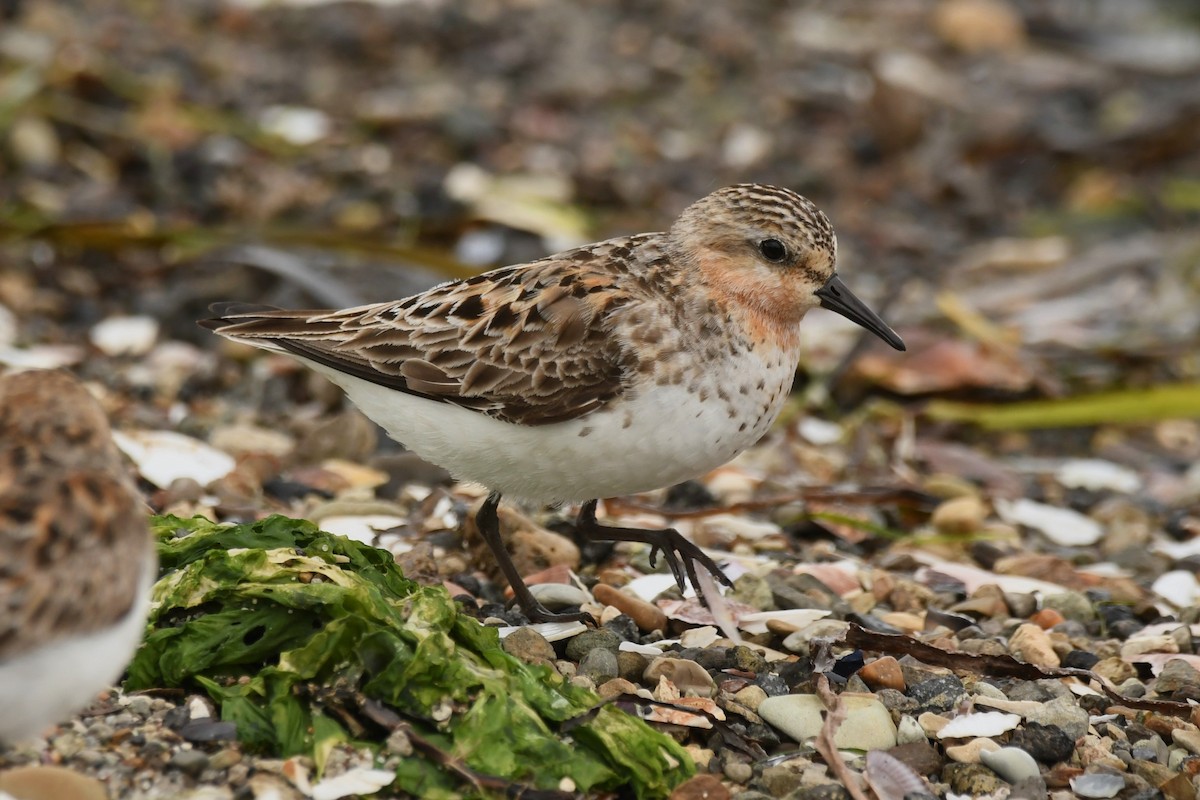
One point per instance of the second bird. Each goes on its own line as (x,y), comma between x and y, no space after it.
(615,368)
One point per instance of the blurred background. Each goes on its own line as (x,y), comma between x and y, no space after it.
(1015,184)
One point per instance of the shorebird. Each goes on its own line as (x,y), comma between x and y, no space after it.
(614,368)
(77,561)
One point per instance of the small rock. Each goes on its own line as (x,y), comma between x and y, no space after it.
(971,779)
(631,666)
(883,673)
(780,779)
(648,616)
(701,787)
(1114,669)
(1020,605)
(44,781)
(938,693)
(1062,713)
(975,26)
(1031,644)
(868,724)
(1149,644)
(909,732)
(1047,618)
(1045,743)
(600,665)
(1072,605)
(616,687)
(1011,764)
(971,752)
(557,596)
(1188,740)
(528,645)
(1097,785)
(191,762)
(959,515)
(750,696)
(1178,680)
(824,791)
(738,771)
(579,646)
(921,757)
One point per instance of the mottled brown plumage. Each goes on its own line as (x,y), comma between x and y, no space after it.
(614,368)
(75,547)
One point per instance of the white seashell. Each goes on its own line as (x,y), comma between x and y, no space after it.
(699,637)
(798,618)
(125,336)
(360,780)
(363,528)
(986,724)
(552,631)
(163,457)
(650,650)
(1095,474)
(1178,587)
(295,124)
(738,527)
(650,586)
(819,431)
(1063,526)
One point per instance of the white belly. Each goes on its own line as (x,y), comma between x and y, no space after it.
(663,435)
(49,684)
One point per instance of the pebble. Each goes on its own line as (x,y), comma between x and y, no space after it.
(1031,644)
(975,26)
(909,731)
(1046,743)
(557,596)
(648,616)
(1179,680)
(959,515)
(192,762)
(1062,713)
(937,693)
(1097,785)
(1011,764)
(750,696)
(1072,605)
(868,724)
(883,673)
(580,645)
(738,771)
(528,645)
(600,665)
(971,779)
(971,752)
(701,787)
(44,781)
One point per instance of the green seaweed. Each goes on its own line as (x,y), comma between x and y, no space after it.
(274,617)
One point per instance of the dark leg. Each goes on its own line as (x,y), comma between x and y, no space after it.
(489,527)
(674,547)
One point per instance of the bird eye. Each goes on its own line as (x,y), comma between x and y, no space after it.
(772,249)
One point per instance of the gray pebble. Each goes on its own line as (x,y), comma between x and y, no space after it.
(192,762)
(599,664)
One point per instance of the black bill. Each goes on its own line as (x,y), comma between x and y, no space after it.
(838,298)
